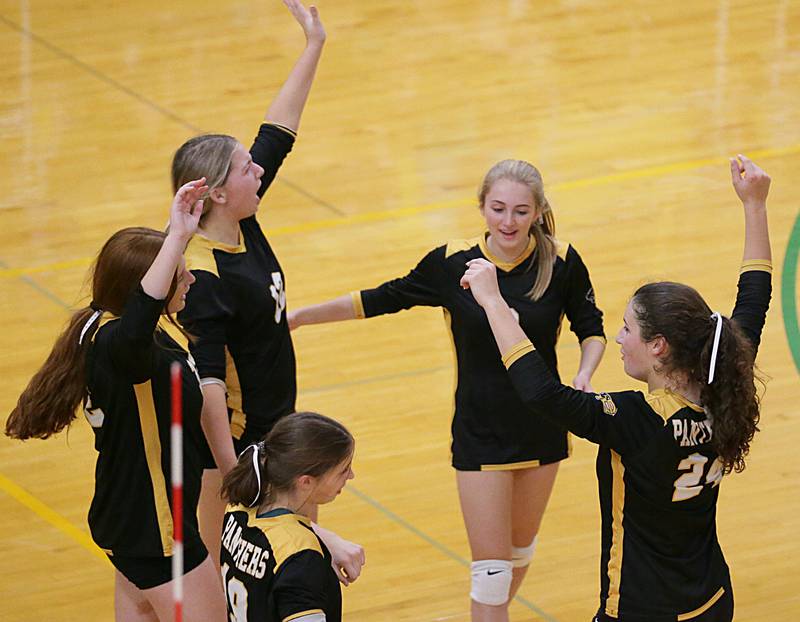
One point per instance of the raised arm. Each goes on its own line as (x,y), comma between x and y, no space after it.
(183,218)
(752,186)
(287,107)
(755,282)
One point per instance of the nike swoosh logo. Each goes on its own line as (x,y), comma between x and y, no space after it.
(493,572)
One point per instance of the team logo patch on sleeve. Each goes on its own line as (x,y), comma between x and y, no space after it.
(609,407)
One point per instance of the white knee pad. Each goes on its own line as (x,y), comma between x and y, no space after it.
(521,556)
(491,581)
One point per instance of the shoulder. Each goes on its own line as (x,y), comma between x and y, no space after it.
(665,404)
(288,535)
(463,245)
(199,255)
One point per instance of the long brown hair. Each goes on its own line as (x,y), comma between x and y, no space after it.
(49,403)
(303,443)
(543,232)
(679,314)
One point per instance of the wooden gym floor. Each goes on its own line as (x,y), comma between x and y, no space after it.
(630,110)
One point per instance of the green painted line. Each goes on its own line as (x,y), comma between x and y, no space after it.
(789,292)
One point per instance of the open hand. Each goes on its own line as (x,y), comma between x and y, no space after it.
(187,207)
(308,18)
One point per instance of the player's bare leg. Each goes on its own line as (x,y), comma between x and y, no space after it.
(210,512)
(203,598)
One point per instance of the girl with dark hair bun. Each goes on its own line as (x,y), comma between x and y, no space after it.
(274,567)
(662,455)
(115,359)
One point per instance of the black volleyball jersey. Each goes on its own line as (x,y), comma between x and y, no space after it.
(658,478)
(275,568)
(129,408)
(491,426)
(236,310)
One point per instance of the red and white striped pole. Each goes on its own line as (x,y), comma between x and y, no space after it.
(176,440)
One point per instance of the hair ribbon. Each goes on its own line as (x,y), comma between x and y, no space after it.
(88,324)
(717,332)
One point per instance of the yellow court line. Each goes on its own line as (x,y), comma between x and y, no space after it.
(51,516)
(405,212)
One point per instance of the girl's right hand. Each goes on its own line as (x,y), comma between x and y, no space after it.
(187,207)
(308,18)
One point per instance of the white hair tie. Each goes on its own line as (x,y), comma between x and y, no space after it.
(86,326)
(717,332)
(257,469)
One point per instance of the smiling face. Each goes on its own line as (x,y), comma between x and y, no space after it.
(184,281)
(510,211)
(240,190)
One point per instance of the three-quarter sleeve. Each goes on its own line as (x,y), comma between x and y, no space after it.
(270,148)
(129,341)
(752,299)
(622,420)
(209,308)
(420,287)
(585,319)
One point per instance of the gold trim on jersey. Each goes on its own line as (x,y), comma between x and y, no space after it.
(517,351)
(173,331)
(152,452)
(506,266)
(287,533)
(763,265)
(199,252)
(614,569)
(288,130)
(511,466)
(703,608)
(561,249)
(457,246)
(665,403)
(358,305)
(448,320)
(300,614)
(238,418)
(602,340)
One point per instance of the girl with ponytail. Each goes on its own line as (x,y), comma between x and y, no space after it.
(662,455)
(274,567)
(505,467)
(115,360)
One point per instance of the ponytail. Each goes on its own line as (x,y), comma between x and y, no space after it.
(545,254)
(50,401)
(679,314)
(244,484)
(299,444)
(730,397)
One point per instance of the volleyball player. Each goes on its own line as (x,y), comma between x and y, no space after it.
(505,468)
(236,309)
(662,455)
(274,566)
(115,359)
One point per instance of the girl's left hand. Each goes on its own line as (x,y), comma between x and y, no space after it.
(347,559)
(187,207)
(481,279)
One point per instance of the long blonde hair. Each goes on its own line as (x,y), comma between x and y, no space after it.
(543,229)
